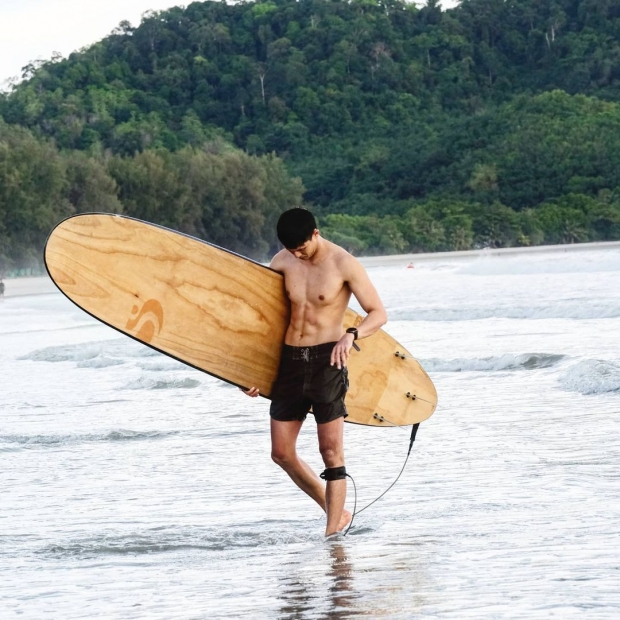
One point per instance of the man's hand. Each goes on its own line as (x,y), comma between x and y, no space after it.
(340,353)
(253,392)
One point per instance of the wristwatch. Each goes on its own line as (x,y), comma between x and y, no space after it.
(353,330)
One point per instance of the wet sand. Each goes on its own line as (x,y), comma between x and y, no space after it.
(18,287)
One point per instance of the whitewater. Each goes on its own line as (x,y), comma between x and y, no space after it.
(133,486)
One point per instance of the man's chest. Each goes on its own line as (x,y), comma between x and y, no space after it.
(313,284)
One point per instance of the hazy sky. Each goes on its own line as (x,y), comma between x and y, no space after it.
(32,29)
(35,29)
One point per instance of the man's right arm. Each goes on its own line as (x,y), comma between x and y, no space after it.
(277,262)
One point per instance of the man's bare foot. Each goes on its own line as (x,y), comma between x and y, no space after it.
(345,519)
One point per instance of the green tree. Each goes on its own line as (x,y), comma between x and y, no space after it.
(32,195)
(89,186)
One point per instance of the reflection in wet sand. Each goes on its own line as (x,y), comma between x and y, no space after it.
(341,573)
(327,584)
(307,593)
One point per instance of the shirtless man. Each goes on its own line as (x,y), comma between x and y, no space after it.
(319,278)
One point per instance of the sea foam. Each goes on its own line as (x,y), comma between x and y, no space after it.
(591,377)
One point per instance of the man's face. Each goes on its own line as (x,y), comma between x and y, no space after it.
(307,249)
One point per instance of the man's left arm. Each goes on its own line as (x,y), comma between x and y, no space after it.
(366,294)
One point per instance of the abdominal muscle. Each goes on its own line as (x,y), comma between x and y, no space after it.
(318,295)
(311,325)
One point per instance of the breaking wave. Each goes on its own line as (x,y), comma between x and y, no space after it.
(591,377)
(570,309)
(508,361)
(56,440)
(110,351)
(145,383)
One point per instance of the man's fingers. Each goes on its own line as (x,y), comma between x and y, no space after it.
(339,356)
(253,392)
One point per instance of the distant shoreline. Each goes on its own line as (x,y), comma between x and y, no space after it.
(382,261)
(42,285)
(34,285)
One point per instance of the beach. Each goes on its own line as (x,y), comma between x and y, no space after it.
(19,287)
(40,285)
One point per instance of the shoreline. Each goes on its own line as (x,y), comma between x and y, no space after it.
(391,259)
(32,285)
(43,285)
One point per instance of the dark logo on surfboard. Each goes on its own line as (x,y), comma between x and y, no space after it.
(149,318)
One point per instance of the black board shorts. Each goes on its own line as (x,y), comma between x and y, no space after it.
(307,380)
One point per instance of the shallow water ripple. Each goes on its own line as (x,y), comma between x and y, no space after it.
(134,487)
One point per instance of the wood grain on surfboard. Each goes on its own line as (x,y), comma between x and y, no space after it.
(216,311)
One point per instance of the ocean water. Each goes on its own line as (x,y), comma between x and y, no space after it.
(132,486)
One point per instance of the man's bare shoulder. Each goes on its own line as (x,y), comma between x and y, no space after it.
(347,263)
(280,260)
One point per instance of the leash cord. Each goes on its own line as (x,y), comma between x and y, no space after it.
(414,430)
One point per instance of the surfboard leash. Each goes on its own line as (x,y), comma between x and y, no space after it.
(414,431)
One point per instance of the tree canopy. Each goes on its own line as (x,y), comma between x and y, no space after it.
(411,128)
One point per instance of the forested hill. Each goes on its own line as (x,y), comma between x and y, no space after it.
(494,123)
(276,73)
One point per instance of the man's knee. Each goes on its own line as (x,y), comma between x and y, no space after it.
(281,456)
(332,456)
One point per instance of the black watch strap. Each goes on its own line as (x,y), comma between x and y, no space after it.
(353,330)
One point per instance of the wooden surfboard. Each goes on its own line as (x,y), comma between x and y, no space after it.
(216,311)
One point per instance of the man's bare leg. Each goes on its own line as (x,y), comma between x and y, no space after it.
(337,517)
(332,451)
(284,453)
